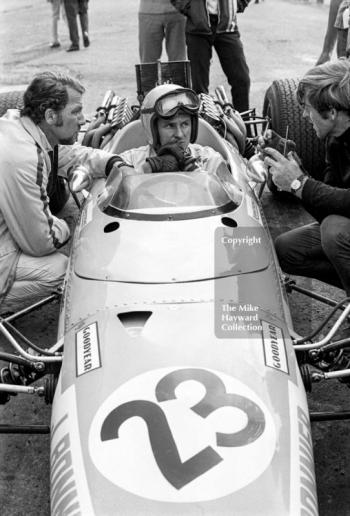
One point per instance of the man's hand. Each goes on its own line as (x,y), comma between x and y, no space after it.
(275,141)
(61,230)
(170,158)
(283,169)
(189,163)
(79,179)
(166,163)
(173,149)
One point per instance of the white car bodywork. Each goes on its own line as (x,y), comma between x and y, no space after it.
(179,392)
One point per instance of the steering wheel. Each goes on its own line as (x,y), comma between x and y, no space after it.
(188,185)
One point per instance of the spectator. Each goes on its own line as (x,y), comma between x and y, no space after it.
(342,26)
(30,265)
(321,249)
(158,21)
(213,23)
(331,33)
(56,8)
(73,8)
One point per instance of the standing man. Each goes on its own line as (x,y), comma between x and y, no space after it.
(320,250)
(213,23)
(31,267)
(331,33)
(56,8)
(73,9)
(158,21)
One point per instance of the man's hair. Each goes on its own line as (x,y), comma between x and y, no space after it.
(48,90)
(327,86)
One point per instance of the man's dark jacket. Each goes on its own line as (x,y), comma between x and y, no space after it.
(197,14)
(331,197)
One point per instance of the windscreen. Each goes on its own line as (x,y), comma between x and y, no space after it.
(171,193)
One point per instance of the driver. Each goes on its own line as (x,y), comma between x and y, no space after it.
(169,116)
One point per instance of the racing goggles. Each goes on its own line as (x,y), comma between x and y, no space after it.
(170,103)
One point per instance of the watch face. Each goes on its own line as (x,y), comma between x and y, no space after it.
(295,185)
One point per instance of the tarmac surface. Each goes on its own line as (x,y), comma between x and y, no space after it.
(282,39)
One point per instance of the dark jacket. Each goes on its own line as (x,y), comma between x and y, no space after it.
(332,196)
(198,17)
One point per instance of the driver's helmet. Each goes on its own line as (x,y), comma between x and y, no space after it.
(165,101)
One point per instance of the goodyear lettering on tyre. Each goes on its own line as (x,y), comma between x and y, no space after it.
(182,435)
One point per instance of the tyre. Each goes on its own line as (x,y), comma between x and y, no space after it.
(10,100)
(285,113)
(59,193)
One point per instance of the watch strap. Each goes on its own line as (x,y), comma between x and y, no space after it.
(302,179)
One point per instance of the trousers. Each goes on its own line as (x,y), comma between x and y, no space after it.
(36,278)
(154,28)
(320,251)
(73,8)
(229,48)
(56,8)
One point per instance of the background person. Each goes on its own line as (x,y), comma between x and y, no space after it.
(159,21)
(73,9)
(320,250)
(342,26)
(331,33)
(213,23)
(30,265)
(56,8)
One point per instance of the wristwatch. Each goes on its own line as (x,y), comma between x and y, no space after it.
(298,183)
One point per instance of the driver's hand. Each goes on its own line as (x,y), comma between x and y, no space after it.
(275,141)
(171,157)
(165,163)
(172,148)
(189,163)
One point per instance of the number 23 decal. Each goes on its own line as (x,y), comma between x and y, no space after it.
(163,445)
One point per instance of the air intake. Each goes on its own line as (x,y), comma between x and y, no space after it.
(134,322)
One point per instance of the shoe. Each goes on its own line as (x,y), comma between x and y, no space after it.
(86,39)
(73,48)
(55,45)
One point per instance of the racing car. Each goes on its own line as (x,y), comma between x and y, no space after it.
(178,383)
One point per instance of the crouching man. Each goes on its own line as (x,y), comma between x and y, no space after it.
(31,267)
(321,249)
